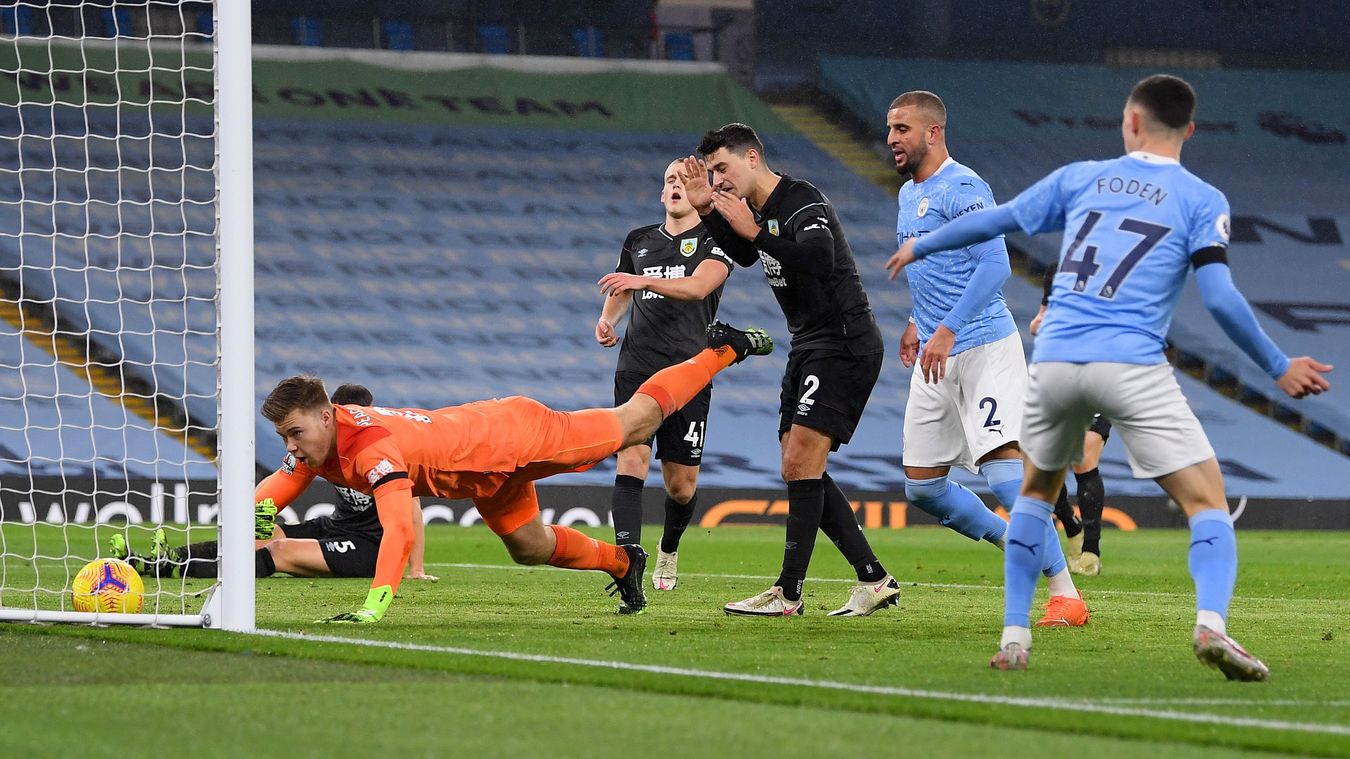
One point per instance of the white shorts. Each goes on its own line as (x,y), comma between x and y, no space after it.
(1144,404)
(974,409)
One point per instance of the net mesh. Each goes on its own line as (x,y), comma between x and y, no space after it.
(108,324)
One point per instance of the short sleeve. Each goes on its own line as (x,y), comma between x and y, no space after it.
(715,253)
(1210,223)
(625,264)
(1041,207)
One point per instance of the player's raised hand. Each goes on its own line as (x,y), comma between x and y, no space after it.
(604,333)
(902,258)
(737,213)
(909,345)
(933,362)
(694,177)
(1304,377)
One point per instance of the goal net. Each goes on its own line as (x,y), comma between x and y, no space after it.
(115,306)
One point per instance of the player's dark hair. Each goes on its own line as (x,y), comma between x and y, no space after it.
(353,394)
(925,100)
(304,391)
(1169,98)
(736,137)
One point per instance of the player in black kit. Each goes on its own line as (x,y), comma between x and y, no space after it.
(1084,529)
(792,229)
(342,545)
(669,279)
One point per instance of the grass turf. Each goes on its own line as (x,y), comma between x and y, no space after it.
(1126,683)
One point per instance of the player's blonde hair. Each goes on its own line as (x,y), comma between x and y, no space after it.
(299,392)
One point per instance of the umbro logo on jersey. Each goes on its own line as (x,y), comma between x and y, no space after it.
(688,246)
(923,207)
(773,227)
(640,253)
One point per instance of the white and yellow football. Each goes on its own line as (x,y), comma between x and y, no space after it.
(108,586)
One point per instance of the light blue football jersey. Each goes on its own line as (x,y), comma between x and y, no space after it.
(937,281)
(1130,227)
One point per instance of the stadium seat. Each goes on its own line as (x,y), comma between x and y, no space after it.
(308,31)
(494,39)
(590,41)
(17,20)
(398,35)
(679,46)
(117,22)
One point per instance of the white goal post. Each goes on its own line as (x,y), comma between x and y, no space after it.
(126,303)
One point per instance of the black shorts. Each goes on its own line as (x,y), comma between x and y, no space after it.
(827,389)
(680,438)
(1102,426)
(348,553)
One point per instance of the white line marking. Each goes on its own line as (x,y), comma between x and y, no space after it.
(882,690)
(1222,702)
(903,583)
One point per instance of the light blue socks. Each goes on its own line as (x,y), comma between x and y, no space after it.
(957,507)
(1213,560)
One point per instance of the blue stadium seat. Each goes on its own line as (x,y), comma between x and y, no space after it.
(17,20)
(308,31)
(679,46)
(206,24)
(494,39)
(590,41)
(398,35)
(117,22)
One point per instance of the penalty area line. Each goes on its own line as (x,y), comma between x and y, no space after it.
(801,682)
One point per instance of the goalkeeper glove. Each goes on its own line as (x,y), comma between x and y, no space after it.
(377,603)
(264,519)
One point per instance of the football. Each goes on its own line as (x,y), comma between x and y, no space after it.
(108,586)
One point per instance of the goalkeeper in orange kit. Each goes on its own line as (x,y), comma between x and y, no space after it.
(488,451)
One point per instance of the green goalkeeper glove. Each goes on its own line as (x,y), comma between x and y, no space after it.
(264,519)
(377,603)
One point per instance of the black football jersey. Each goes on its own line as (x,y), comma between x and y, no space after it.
(663,331)
(821,312)
(355,512)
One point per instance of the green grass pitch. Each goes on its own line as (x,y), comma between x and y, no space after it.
(503,660)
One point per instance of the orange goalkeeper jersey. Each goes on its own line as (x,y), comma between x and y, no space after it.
(457,452)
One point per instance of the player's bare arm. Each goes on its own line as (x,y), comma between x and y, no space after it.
(616,305)
(417,562)
(707,277)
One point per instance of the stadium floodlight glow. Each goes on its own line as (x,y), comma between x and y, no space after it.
(126,302)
